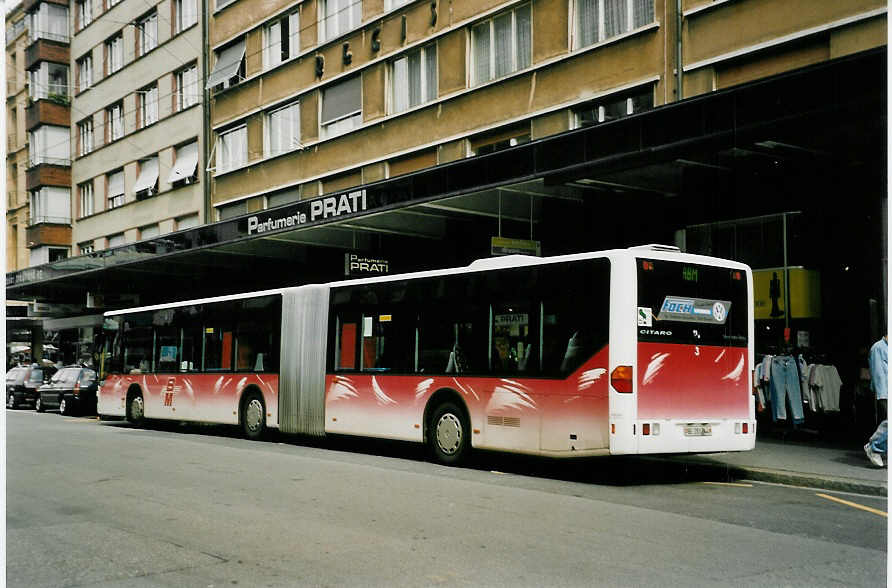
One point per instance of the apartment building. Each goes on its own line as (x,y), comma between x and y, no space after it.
(17,205)
(47,120)
(136,120)
(317,96)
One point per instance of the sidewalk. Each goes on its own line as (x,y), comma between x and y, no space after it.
(830,468)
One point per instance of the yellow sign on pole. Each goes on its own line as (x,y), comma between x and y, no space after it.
(769,298)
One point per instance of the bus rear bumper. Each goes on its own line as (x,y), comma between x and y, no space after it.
(695,435)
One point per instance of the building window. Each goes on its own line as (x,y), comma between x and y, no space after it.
(147,105)
(85,192)
(114,122)
(185,165)
(41,255)
(232,149)
(281,40)
(50,21)
(339,16)
(503,139)
(146,184)
(228,211)
(187,93)
(229,66)
(116,240)
(341,108)
(283,129)
(115,189)
(109,4)
(146,33)
(114,54)
(185,14)
(599,20)
(414,78)
(51,205)
(149,232)
(85,136)
(49,80)
(84,72)
(614,107)
(85,248)
(391,4)
(187,222)
(501,45)
(84,13)
(49,144)
(220,4)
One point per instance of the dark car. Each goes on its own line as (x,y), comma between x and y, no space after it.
(72,390)
(22,383)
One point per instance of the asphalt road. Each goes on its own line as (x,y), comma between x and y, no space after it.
(93,503)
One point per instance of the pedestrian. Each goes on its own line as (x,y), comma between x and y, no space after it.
(879,381)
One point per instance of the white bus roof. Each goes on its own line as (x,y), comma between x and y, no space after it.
(491,263)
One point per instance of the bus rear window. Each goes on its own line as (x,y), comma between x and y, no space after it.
(691,304)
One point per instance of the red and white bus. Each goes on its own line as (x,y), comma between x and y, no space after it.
(639,350)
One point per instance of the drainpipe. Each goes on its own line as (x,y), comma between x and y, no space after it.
(678,65)
(205,113)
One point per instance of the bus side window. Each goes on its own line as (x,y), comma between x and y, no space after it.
(217,349)
(346,344)
(388,341)
(137,346)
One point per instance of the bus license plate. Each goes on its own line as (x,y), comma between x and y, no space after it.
(700,430)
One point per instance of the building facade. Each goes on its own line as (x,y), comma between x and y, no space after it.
(317,96)
(136,121)
(17,205)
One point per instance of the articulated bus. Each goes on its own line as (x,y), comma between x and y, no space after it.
(630,351)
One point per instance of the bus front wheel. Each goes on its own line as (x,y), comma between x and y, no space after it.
(449,434)
(253,416)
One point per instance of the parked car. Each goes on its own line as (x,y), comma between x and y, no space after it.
(22,383)
(72,390)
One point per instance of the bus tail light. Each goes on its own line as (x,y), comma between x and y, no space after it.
(621,379)
(645,429)
(746,427)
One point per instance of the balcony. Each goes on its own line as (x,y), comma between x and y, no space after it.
(47,50)
(49,231)
(50,111)
(48,174)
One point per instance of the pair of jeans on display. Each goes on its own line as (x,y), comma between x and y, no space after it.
(785,384)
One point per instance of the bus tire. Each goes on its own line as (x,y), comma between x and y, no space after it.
(253,415)
(136,408)
(449,434)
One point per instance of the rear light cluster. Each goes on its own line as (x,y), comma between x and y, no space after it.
(741,428)
(650,429)
(621,379)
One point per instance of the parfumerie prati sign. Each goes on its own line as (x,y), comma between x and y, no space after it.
(307,212)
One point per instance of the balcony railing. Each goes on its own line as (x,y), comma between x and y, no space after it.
(52,220)
(37,159)
(50,36)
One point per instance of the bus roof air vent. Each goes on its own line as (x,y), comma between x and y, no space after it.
(503,261)
(656,247)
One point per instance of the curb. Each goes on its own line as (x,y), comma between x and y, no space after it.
(733,472)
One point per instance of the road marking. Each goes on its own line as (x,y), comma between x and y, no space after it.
(854,505)
(735,484)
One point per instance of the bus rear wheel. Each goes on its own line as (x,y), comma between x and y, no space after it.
(253,416)
(449,434)
(136,409)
